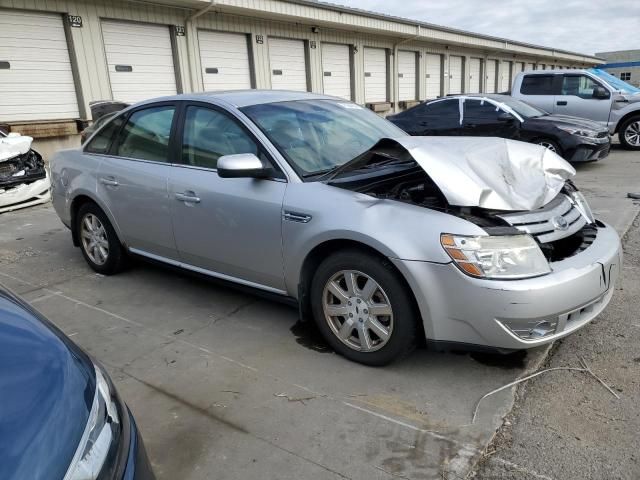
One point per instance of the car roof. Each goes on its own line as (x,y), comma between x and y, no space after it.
(492,96)
(554,71)
(244,98)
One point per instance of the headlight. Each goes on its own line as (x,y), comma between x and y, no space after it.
(102,428)
(496,257)
(581,132)
(581,204)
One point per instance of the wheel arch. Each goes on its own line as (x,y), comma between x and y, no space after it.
(82,199)
(627,116)
(321,251)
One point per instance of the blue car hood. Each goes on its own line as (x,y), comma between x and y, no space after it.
(47,386)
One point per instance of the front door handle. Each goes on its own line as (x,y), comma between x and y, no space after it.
(110,181)
(561,103)
(187,197)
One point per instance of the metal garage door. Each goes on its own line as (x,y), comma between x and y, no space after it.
(491,76)
(407,86)
(139,59)
(336,70)
(288,65)
(36,82)
(505,76)
(528,67)
(434,75)
(455,74)
(375,75)
(224,60)
(475,75)
(517,68)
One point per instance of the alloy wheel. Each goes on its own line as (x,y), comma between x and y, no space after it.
(549,146)
(632,134)
(357,310)
(94,239)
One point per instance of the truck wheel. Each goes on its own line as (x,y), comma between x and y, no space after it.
(99,243)
(629,134)
(363,308)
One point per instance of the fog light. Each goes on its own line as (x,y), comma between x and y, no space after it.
(531,329)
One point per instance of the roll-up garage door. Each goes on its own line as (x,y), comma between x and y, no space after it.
(36,82)
(475,75)
(407,75)
(434,75)
(528,67)
(505,76)
(336,70)
(517,68)
(491,76)
(288,65)
(139,59)
(455,74)
(375,75)
(224,60)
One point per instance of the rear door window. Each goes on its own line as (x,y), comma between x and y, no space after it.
(538,85)
(146,134)
(444,108)
(101,142)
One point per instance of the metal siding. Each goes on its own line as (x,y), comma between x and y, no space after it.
(407,85)
(491,76)
(475,75)
(455,74)
(505,76)
(226,55)
(336,70)
(147,50)
(288,57)
(375,75)
(39,84)
(434,75)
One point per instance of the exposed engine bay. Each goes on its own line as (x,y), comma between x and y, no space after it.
(562,227)
(23,175)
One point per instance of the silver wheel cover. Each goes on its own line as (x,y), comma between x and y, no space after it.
(549,146)
(632,133)
(358,311)
(94,239)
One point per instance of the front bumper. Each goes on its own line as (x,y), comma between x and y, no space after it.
(459,309)
(137,466)
(590,152)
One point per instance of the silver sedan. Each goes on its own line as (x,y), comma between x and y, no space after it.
(382,238)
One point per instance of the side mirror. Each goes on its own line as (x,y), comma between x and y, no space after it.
(505,117)
(242,165)
(601,93)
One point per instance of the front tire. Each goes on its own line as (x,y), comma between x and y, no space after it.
(629,134)
(99,243)
(363,308)
(550,145)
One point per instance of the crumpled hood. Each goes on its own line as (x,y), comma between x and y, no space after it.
(491,173)
(14,145)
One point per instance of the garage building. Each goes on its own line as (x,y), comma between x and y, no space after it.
(58,57)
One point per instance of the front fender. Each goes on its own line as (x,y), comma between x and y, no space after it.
(395,229)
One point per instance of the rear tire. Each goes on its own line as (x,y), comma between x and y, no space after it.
(363,308)
(629,133)
(99,243)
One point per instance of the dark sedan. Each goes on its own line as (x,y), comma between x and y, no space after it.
(60,415)
(575,139)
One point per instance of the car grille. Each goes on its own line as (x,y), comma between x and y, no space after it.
(556,220)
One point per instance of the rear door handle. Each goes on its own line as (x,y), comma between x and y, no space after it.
(110,181)
(561,102)
(187,197)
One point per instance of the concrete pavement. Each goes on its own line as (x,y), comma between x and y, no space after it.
(224,384)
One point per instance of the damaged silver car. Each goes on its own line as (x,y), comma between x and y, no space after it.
(23,177)
(384,239)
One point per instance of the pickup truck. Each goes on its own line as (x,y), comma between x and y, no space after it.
(593,94)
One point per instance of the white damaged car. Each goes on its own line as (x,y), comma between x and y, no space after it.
(381,237)
(23,176)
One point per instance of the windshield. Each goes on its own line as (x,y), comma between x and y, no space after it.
(616,83)
(316,136)
(521,108)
